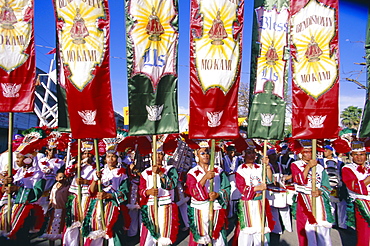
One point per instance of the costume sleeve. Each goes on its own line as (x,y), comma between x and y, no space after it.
(298,176)
(196,190)
(37,191)
(224,193)
(352,183)
(71,171)
(325,185)
(122,193)
(142,192)
(170,179)
(246,190)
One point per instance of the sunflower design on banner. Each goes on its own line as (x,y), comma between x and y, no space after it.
(315,67)
(16,28)
(81,35)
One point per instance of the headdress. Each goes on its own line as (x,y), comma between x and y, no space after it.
(32,141)
(111,144)
(357,146)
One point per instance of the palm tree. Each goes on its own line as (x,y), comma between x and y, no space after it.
(351,117)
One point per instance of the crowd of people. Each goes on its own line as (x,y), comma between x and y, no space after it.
(88,199)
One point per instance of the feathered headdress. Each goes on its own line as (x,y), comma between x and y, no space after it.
(32,141)
(111,144)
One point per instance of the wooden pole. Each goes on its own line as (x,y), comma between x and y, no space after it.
(99,184)
(263,212)
(79,188)
(314,177)
(154,158)
(211,187)
(10,167)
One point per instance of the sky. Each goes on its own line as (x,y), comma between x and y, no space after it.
(353,16)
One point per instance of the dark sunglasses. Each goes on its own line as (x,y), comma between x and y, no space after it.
(204,153)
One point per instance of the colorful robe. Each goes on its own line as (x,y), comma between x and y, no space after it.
(198,210)
(250,205)
(167,209)
(303,206)
(353,176)
(31,184)
(114,181)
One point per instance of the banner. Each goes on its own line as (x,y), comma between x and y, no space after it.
(314,49)
(17,56)
(83,39)
(365,119)
(152,43)
(215,57)
(269,70)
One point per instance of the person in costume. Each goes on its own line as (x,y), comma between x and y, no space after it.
(231,162)
(278,195)
(249,183)
(114,193)
(133,200)
(49,165)
(285,161)
(75,216)
(56,212)
(198,187)
(333,166)
(27,187)
(311,230)
(168,220)
(356,177)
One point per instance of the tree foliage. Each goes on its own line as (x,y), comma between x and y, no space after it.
(351,117)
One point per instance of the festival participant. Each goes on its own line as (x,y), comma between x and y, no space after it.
(27,187)
(231,162)
(278,195)
(114,193)
(56,211)
(285,161)
(163,232)
(133,200)
(198,185)
(356,176)
(249,183)
(311,230)
(49,165)
(333,167)
(74,218)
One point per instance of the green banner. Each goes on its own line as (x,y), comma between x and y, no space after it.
(152,43)
(269,68)
(365,121)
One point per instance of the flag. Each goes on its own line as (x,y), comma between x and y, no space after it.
(83,39)
(216,28)
(17,56)
(315,62)
(152,43)
(365,119)
(269,67)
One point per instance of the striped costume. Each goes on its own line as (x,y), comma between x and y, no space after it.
(307,224)
(115,182)
(199,207)
(353,176)
(26,214)
(249,228)
(74,217)
(168,219)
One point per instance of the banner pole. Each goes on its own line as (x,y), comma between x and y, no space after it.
(10,167)
(263,219)
(314,141)
(79,189)
(154,158)
(101,204)
(211,187)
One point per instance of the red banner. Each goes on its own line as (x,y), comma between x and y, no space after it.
(314,47)
(215,57)
(17,60)
(83,39)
